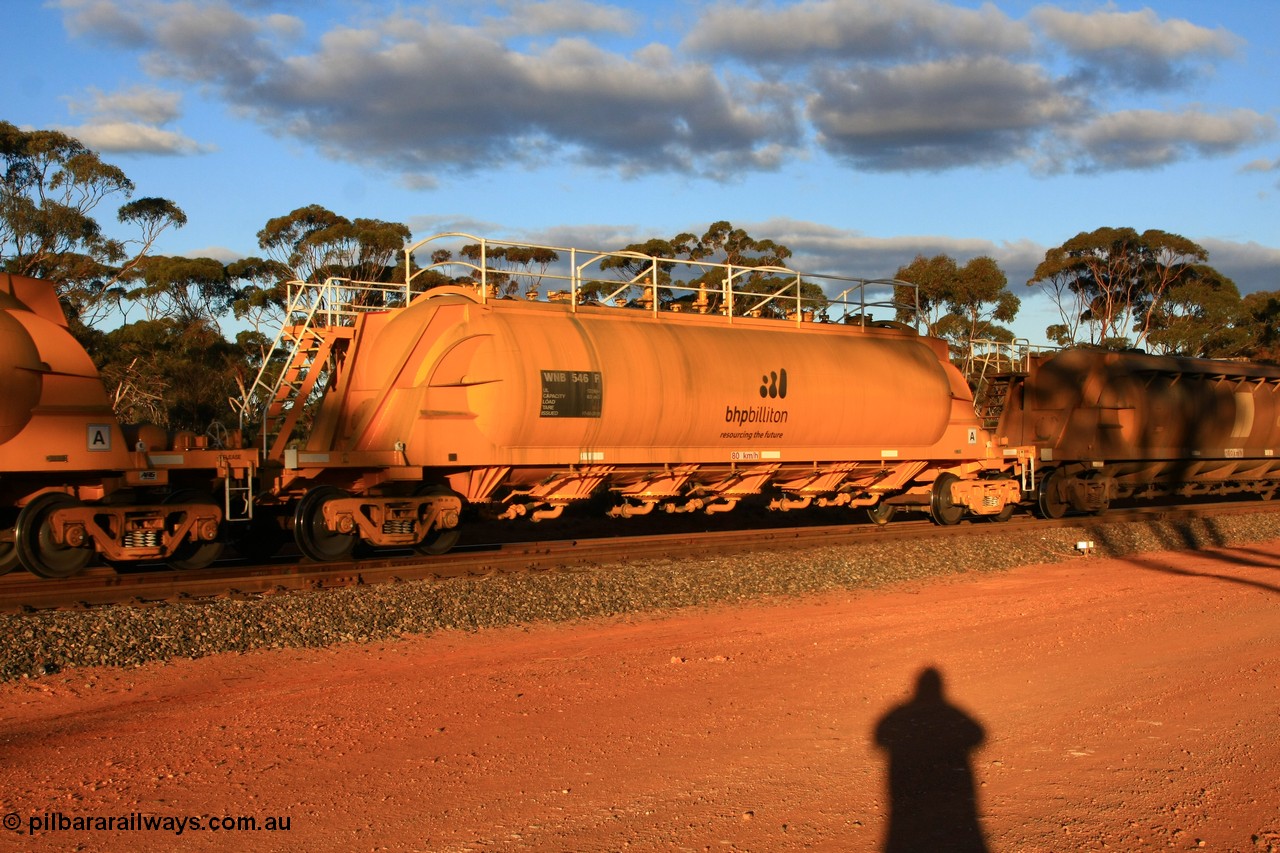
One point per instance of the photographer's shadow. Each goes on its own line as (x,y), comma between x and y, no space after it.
(933,803)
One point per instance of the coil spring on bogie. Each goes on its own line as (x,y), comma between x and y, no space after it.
(142,539)
(990,500)
(402,526)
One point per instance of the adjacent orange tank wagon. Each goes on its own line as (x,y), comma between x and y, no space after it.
(1107,425)
(74,482)
(526,405)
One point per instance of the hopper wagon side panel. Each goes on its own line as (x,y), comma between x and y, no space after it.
(1144,419)
(1082,403)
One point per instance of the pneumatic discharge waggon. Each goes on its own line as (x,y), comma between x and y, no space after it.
(518,389)
(75,482)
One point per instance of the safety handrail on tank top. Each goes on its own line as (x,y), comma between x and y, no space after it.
(652,277)
(986,355)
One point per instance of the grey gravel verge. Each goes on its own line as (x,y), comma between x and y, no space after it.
(48,642)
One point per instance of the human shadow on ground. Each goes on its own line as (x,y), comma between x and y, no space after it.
(933,803)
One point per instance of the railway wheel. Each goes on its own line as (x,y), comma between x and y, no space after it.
(314,539)
(440,539)
(34,544)
(1052,500)
(941,507)
(193,555)
(881,513)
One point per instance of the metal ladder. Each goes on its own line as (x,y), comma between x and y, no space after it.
(991,396)
(323,317)
(243,488)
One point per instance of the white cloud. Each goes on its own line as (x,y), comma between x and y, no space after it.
(936,115)
(856,30)
(132,121)
(541,17)
(222,254)
(883,85)
(1250,265)
(1135,48)
(1262,165)
(109,20)
(140,103)
(127,137)
(1144,139)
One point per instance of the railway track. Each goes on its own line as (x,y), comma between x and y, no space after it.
(101,586)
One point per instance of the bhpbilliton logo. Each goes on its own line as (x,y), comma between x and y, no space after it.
(774,384)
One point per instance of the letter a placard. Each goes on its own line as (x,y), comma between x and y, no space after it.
(99,437)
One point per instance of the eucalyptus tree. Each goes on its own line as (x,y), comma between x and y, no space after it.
(315,243)
(720,246)
(508,269)
(1202,315)
(51,188)
(959,303)
(1261,311)
(184,289)
(172,371)
(1109,284)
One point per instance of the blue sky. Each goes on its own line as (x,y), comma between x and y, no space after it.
(857,132)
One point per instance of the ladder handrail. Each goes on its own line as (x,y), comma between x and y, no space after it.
(984,353)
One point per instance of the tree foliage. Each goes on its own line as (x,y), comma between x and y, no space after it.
(1202,315)
(261,295)
(635,264)
(171,372)
(1109,284)
(315,243)
(187,290)
(724,244)
(1260,315)
(721,245)
(50,189)
(508,268)
(959,303)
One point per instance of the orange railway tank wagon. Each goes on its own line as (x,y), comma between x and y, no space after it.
(74,482)
(1108,425)
(679,399)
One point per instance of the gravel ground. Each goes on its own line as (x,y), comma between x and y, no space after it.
(47,642)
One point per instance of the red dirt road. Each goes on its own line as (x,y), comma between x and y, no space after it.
(1122,704)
